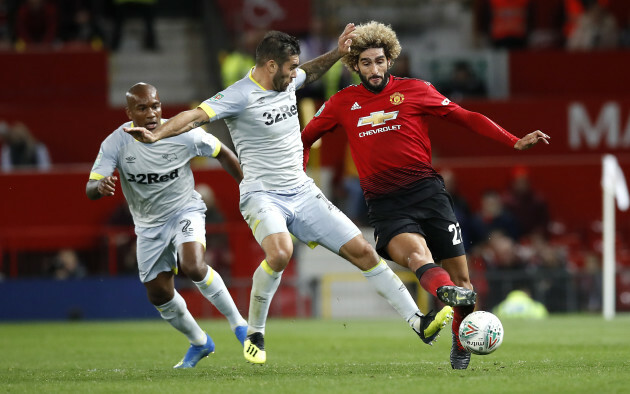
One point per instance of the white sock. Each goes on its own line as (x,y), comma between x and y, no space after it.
(264,285)
(176,313)
(213,288)
(389,285)
(415,321)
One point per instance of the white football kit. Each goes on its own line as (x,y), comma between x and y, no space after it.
(158,185)
(276,194)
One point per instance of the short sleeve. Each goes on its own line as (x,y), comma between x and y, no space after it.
(228,102)
(106,161)
(206,144)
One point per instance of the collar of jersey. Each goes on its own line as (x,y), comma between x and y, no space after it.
(253,80)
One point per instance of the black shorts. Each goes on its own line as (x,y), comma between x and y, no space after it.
(427,209)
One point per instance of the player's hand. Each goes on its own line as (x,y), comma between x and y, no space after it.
(531,139)
(107,186)
(141,134)
(345,39)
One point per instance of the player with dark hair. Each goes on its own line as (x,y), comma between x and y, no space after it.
(277,199)
(169,215)
(384,119)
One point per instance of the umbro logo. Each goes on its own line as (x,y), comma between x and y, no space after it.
(355,106)
(170,156)
(130,159)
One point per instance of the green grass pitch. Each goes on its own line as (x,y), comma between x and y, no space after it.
(564,354)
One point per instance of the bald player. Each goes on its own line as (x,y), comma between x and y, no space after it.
(169,215)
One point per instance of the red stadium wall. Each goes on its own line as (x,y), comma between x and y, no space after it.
(594,121)
(567,172)
(49,211)
(569,74)
(62,97)
(42,79)
(73,133)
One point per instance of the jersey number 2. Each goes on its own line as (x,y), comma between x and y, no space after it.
(457,233)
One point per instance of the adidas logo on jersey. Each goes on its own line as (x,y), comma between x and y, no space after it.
(355,106)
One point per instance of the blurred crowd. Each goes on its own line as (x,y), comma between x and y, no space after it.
(508,24)
(534,24)
(57,24)
(20,150)
(513,244)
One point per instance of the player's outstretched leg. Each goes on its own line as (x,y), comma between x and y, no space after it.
(196,353)
(428,327)
(460,357)
(456,296)
(254,348)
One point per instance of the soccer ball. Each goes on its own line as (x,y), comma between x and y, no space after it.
(481,333)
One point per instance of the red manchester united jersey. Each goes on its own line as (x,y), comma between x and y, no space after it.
(387,131)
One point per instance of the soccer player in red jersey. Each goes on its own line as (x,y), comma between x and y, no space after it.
(385,120)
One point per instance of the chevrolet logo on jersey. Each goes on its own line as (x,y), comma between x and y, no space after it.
(377,118)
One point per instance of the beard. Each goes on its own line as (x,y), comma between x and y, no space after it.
(374,88)
(279,85)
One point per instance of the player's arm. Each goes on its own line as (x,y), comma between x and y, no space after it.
(230,163)
(323,122)
(531,139)
(180,123)
(315,68)
(481,124)
(99,184)
(105,186)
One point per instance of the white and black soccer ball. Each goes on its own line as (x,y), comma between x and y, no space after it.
(481,333)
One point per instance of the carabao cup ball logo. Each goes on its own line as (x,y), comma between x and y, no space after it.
(493,339)
(481,333)
(468,330)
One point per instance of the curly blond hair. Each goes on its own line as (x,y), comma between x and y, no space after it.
(372,35)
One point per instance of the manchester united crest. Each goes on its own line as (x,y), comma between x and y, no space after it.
(396,98)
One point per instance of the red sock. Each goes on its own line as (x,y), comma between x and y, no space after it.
(460,312)
(433,277)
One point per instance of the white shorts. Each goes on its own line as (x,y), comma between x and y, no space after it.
(157,246)
(304,212)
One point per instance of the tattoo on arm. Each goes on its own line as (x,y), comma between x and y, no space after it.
(315,68)
(200,123)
